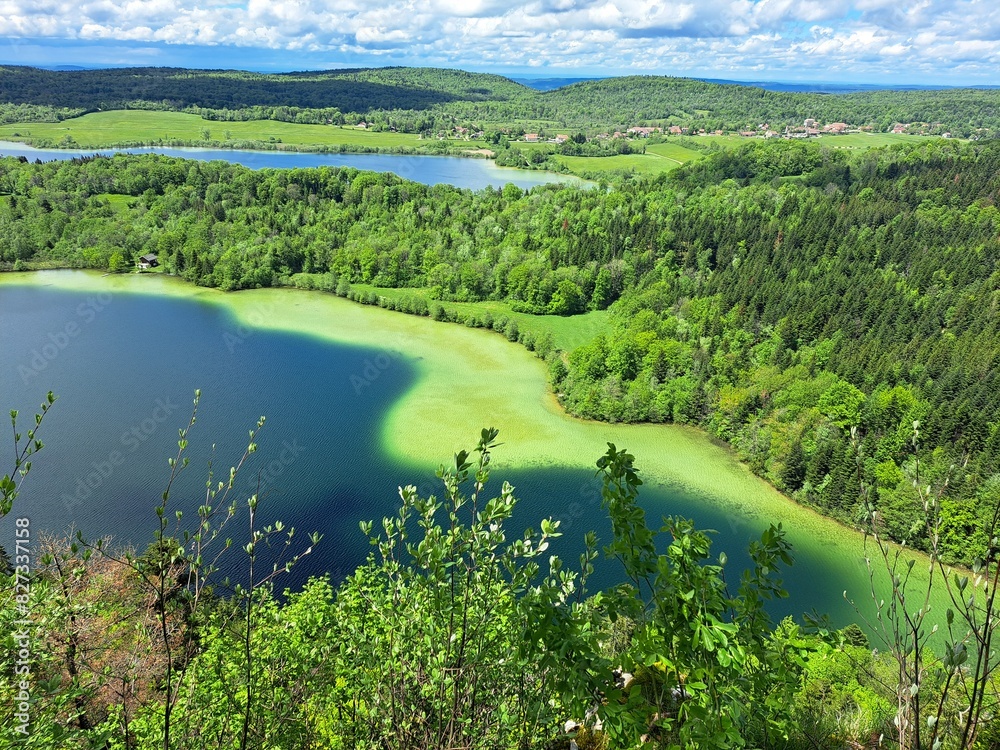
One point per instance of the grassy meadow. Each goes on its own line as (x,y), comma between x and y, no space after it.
(132,127)
(567,332)
(639,163)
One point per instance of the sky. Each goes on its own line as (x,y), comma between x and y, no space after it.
(946,42)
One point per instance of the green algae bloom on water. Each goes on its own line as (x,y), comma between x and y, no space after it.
(464,379)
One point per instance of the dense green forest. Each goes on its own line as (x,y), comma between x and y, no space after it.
(806,306)
(349,90)
(425,99)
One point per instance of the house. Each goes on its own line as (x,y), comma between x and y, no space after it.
(531,137)
(560,139)
(809,123)
(835,127)
(899,128)
(147,261)
(643,132)
(675,130)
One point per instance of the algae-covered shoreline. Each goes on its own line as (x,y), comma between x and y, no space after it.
(470,378)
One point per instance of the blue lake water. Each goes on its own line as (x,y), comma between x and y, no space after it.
(474,174)
(125,368)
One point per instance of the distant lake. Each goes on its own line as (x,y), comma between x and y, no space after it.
(462,172)
(358,401)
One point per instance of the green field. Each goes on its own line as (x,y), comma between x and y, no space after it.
(139,126)
(863,141)
(567,332)
(639,163)
(673,151)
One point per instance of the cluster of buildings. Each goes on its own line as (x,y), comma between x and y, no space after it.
(810,128)
(633,132)
(536,138)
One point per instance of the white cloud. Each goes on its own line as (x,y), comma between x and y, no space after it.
(866,37)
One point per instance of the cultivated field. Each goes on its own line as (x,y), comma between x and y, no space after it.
(132,127)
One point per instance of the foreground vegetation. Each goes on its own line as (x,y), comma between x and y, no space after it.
(455,634)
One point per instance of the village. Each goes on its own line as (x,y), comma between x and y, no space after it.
(810,128)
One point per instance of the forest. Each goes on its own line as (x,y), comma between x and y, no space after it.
(427,99)
(830,315)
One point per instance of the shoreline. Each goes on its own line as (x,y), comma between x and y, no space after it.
(470,378)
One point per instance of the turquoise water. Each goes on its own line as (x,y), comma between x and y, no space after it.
(462,172)
(125,368)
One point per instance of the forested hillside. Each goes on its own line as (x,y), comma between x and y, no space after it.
(349,90)
(419,99)
(733,107)
(783,296)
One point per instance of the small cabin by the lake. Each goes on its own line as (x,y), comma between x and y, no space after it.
(147,261)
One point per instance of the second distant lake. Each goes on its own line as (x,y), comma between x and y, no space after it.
(474,174)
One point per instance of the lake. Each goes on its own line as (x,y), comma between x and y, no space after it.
(462,172)
(359,401)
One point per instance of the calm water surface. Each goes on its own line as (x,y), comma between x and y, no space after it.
(125,368)
(462,172)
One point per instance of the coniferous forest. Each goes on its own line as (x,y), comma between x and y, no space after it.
(814,308)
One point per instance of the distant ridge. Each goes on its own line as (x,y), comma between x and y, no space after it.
(821,87)
(434,101)
(549,84)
